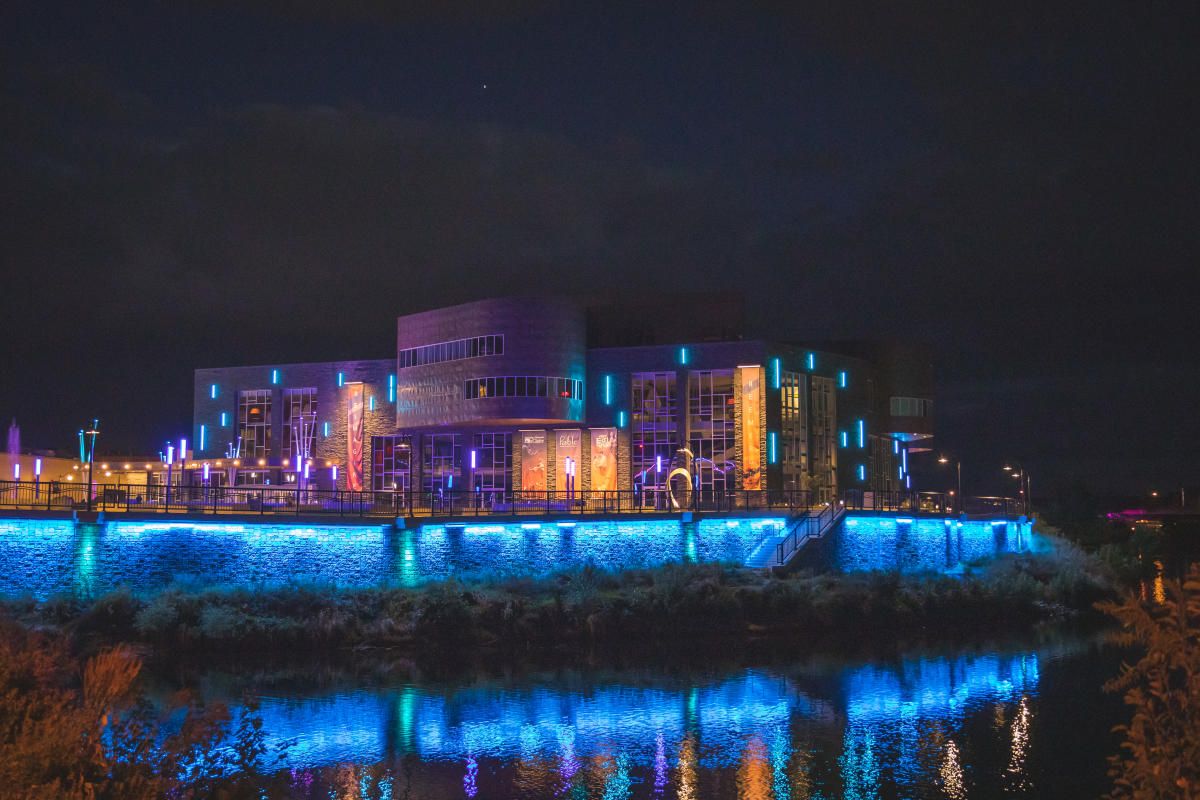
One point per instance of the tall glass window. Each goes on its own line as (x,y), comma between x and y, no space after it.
(493,461)
(391,463)
(794,430)
(441,459)
(299,421)
(711,429)
(654,427)
(823,447)
(254,423)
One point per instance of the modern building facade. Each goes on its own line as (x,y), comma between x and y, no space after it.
(539,394)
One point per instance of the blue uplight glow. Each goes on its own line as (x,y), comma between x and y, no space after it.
(772,448)
(341,379)
(862,472)
(843,379)
(608,390)
(683,356)
(325,429)
(391,388)
(275,376)
(224,419)
(914,545)
(861,427)
(776,373)
(36,557)
(810,361)
(844,438)
(212,391)
(620,419)
(203,436)
(371,403)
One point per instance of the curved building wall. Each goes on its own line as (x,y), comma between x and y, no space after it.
(439,351)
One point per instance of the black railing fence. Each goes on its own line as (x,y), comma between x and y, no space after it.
(296,501)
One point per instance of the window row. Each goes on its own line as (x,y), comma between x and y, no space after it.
(911,407)
(523,386)
(456,350)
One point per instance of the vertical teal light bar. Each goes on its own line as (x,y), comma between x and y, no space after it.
(391,388)
(608,390)
(371,403)
(862,472)
(620,419)
(773,447)
(325,429)
(203,436)
(862,433)
(776,373)
(810,361)
(844,438)
(683,356)
(224,419)
(274,376)
(341,378)
(843,379)
(212,391)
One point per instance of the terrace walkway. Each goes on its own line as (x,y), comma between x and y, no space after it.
(66,499)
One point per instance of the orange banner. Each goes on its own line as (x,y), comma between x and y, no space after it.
(604,459)
(354,439)
(751,379)
(533,461)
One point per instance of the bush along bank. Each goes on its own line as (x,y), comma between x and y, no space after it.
(698,604)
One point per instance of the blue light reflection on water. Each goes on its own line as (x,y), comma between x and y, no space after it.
(872,721)
(43,558)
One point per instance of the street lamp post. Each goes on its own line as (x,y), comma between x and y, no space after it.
(958,470)
(1023,485)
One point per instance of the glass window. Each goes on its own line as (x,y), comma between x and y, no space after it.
(391,463)
(254,424)
(711,424)
(299,421)
(654,428)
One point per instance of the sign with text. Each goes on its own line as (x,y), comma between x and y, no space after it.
(533,461)
(604,459)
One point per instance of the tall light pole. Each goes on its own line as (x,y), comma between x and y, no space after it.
(958,469)
(1023,484)
(91,433)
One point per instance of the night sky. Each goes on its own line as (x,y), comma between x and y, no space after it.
(209,185)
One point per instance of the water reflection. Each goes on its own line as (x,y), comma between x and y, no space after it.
(855,731)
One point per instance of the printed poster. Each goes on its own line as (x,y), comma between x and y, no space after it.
(354,439)
(567,444)
(604,459)
(751,378)
(533,461)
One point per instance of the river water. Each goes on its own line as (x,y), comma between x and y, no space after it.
(1016,718)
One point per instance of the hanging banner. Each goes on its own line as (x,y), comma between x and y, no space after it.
(604,459)
(354,438)
(567,444)
(533,461)
(751,380)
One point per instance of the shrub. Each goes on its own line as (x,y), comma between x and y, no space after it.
(1162,741)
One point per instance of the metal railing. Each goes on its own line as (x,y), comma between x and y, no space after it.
(296,501)
(933,503)
(810,526)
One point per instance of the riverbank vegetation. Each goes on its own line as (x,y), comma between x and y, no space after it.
(708,604)
(73,729)
(1160,755)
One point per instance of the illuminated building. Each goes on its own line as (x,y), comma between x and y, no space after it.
(536,394)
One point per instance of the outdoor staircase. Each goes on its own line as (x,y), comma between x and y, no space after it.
(778,549)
